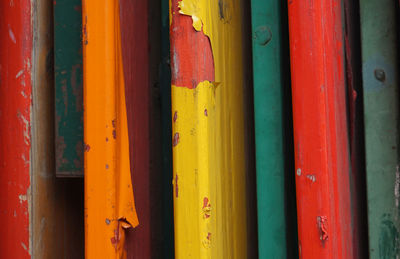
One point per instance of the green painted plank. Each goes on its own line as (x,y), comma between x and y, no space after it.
(269,131)
(68,87)
(381,117)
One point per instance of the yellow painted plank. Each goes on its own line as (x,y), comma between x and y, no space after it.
(109,201)
(209,143)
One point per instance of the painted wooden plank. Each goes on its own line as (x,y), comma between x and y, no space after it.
(381,121)
(320,129)
(56,221)
(109,201)
(15,133)
(268,112)
(166,120)
(68,87)
(140,75)
(209,159)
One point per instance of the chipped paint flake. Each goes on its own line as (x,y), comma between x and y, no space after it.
(190,8)
(311,177)
(11,34)
(298,171)
(22,198)
(322,223)
(19,73)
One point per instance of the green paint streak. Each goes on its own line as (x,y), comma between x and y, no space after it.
(269,89)
(381,112)
(68,87)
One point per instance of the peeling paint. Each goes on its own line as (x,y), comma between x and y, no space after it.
(298,171)
(206,208)
(175,141)
(190,8)
(11,34)
(322,223)
(311,177)
(22,198)
(19,73)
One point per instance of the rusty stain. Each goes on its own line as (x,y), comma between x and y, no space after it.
(176,139)
(322,222)
(206,208)
(207,241)
(86,147)
(77,88)
(116,238)
(60,147)
(205,112)
(175,116)
(85,34)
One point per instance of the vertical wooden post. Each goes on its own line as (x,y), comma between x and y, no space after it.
(320,129)
(268,110)
(381,122)
(209,156)
(109,204)
(15,133)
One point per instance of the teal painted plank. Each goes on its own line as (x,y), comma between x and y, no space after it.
(381,117)
(68,87)
(269,130)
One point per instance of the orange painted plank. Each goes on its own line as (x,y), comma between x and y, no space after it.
(109,202)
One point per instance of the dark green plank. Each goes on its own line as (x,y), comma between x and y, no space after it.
(68,88)
(381,116)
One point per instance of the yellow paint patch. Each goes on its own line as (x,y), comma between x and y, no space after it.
(109,202)
(209,156)
(191,8)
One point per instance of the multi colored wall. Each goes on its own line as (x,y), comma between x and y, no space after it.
(199,129)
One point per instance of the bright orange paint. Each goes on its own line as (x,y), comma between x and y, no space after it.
(109,202)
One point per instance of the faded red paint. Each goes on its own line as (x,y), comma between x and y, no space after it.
(320,129)
(191,57)
(142,241)
(15,120)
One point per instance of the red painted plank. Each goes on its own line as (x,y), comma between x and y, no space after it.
(135,53)
(320,129)
(15,112)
